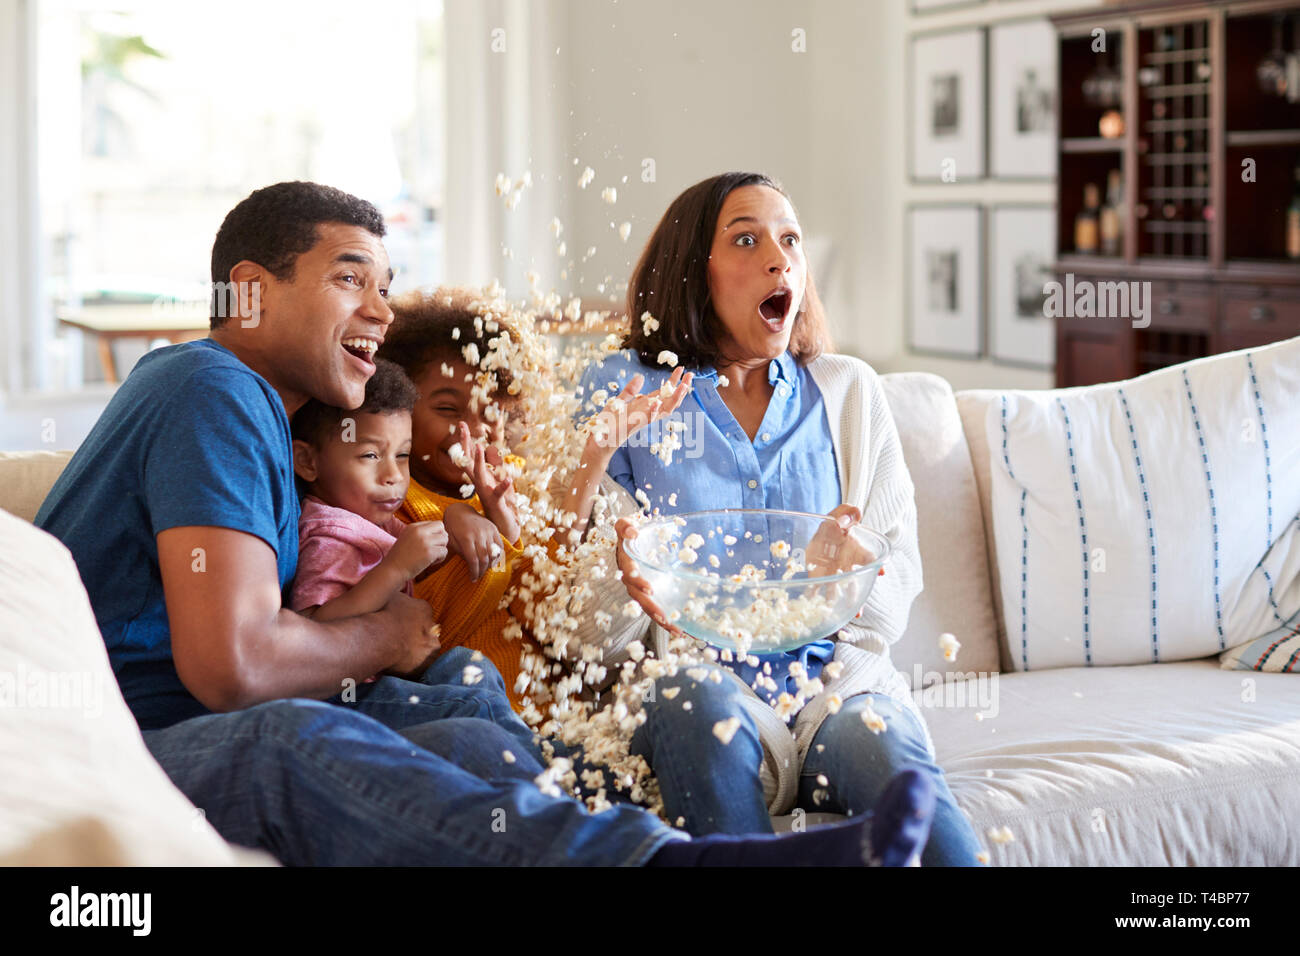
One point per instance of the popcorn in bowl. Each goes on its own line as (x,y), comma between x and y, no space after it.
(757,580)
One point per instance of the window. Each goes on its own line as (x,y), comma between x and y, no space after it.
(154,119)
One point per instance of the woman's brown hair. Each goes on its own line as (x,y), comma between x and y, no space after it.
(671,282)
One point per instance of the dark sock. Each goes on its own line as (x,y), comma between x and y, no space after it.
(839,844)
(900,824)
(897,830)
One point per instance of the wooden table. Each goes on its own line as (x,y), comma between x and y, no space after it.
(109,322)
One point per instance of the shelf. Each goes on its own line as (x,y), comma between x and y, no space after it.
(1175,159)
(1264,137)
(1177,125)
(1176,228)
(1091,144)
(1177,89)
(1176,56)
(1178,192)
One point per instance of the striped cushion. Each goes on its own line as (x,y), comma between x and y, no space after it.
(1277,652)
(1156,519)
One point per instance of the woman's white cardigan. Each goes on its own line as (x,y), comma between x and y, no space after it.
(873,477)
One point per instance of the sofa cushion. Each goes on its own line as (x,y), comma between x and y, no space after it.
(1151,765)
(26,478)
(74,761)
(1277,652)
(954,561)
(1149,520)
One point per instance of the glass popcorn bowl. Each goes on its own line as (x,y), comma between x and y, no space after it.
(758,580)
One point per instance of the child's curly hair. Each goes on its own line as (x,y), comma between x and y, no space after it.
(436,325)
(388,390)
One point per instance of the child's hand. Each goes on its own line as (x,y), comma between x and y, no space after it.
(419,545)
(629,411)
(473,537)
(495,489)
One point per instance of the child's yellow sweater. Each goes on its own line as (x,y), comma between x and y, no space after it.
(468,611)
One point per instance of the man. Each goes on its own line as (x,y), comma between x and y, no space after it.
(181,512)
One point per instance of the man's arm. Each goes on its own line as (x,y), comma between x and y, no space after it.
(235,646)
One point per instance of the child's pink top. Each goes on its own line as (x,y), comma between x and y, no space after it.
(336,549)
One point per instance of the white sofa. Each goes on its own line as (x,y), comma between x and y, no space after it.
(1154,764)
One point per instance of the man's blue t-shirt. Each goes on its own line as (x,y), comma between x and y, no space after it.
(192,437)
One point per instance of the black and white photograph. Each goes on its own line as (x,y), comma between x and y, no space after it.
(1020,266)
(945,105)
(944,276)
(947,85)
(1022,100)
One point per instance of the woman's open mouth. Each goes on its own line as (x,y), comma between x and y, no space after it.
(361,348)
(775,309)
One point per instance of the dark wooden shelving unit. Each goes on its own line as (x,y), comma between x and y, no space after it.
(1209,236)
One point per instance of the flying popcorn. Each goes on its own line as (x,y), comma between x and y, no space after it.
(648,323)
(687,555)
(624,230)
(631,609)
(466,491)
(1001,835)
(667,358)
(609,194)
(983,857)
(780,550)
(949,645)
(875,723)
(588,174)
(457,455)
(502,184)
(471,354)
(507,756)
(471,674)
(724,730)
(834,703)
(693,540)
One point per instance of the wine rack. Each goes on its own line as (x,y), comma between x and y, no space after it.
(1173,143)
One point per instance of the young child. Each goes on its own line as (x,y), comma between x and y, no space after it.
(354,553)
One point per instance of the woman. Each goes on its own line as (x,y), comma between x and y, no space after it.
(775,422)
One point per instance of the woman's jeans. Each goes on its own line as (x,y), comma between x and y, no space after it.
(410,773)
(714,787)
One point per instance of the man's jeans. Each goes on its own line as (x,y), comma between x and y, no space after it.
(715,787)
(411,773)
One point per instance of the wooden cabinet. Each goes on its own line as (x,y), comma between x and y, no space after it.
(1169,98)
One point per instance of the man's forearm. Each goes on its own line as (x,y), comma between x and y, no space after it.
(296,656)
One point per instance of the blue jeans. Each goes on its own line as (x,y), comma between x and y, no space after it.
(716,788)
(382,782)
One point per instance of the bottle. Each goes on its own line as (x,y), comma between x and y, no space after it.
(1293,221)
(1085,224)
(1112,215)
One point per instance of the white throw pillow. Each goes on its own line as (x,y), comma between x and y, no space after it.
(1153,519)
(78,787)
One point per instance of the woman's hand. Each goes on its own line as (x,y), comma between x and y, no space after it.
(629,411)
(495,491)
(638,588)
(833,549)
(473,537)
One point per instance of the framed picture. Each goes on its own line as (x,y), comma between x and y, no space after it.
(946,106)
(1022,100)
(929,6)
(1021,250)
(945,289)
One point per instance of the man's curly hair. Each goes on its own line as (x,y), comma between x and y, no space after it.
(388,390)
(277,224)
(434,326)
